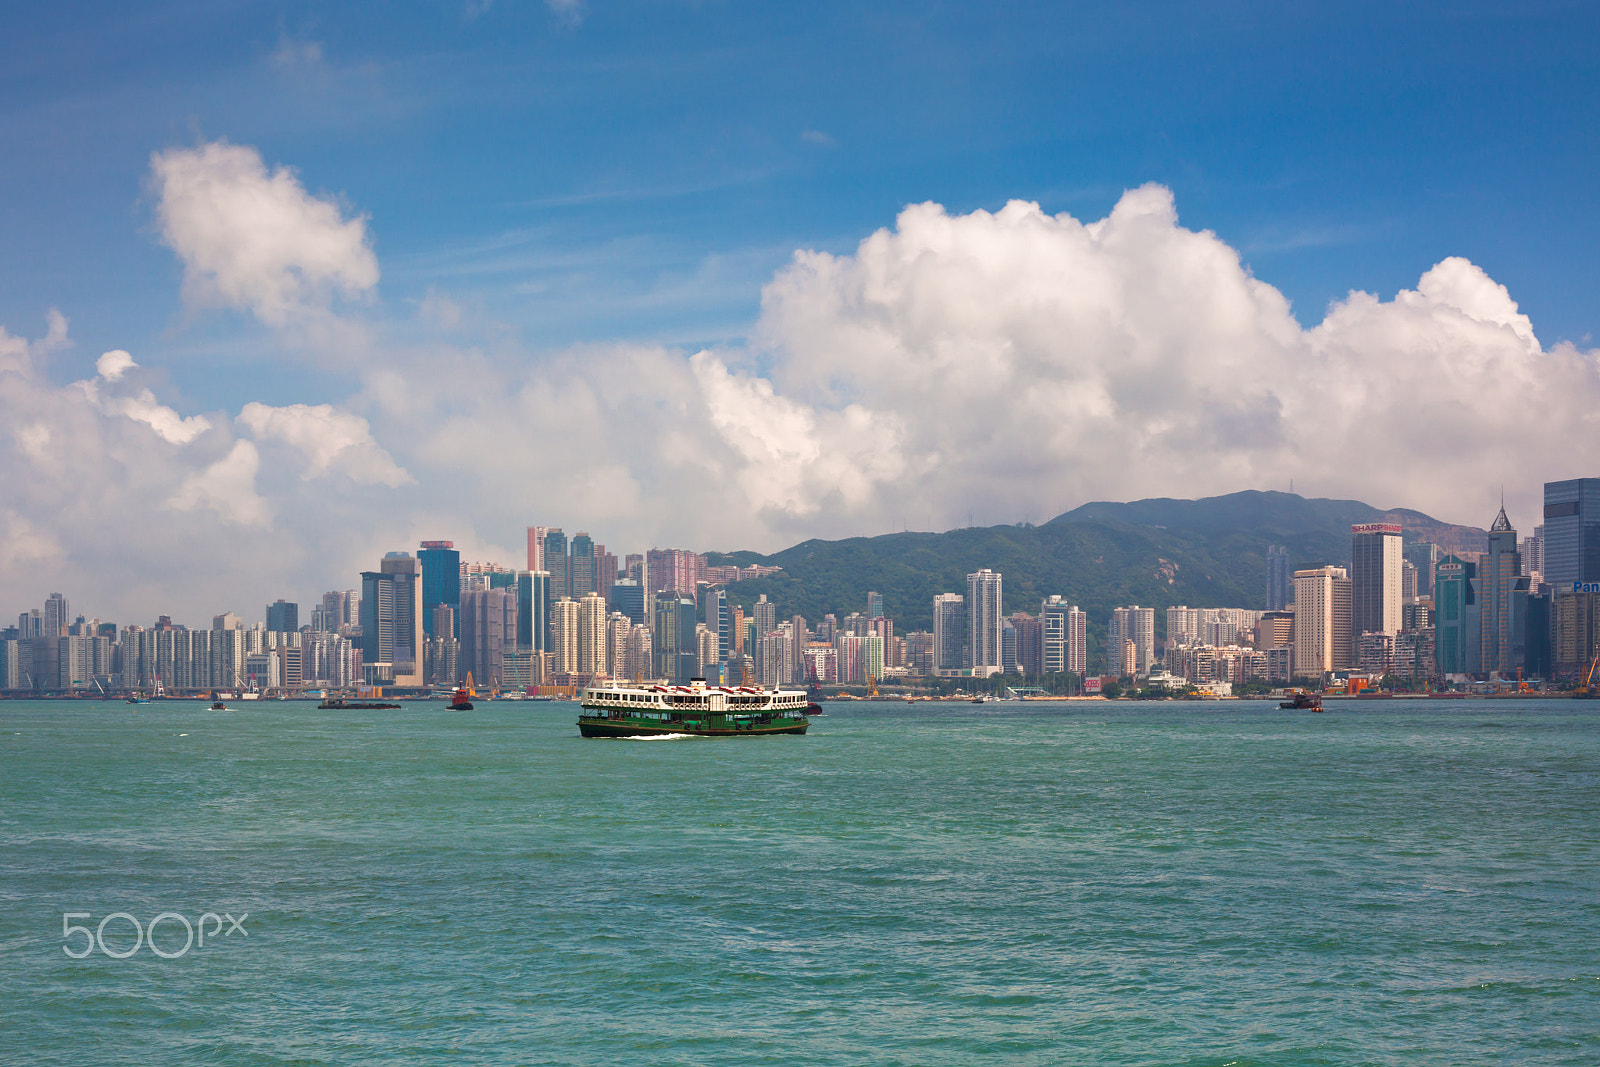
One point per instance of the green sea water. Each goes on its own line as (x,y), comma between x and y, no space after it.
(1220,883)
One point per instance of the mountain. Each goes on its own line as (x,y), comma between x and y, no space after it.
(1157,553)
(1278,513)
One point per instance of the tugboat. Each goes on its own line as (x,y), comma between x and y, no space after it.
(695,709)
(1303,701)
(461,699)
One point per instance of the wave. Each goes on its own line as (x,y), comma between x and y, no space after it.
(659,737)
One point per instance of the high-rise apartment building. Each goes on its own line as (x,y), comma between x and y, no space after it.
(592,615)
(1571,532)
(673,570)
(441,581)
(564,636)
(1322,631)
(1279,586)
(1501,641)
(56,615)
(984,622)
(1137,625)
(1375,581)
(536,536)
(949,632)
(1533,555)
(1030,642)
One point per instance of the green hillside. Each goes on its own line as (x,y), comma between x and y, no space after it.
(1157,553)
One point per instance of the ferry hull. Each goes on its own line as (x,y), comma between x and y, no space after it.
(621,728)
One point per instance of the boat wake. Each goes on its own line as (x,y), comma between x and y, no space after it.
(659,737)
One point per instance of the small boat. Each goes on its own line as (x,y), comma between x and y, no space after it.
(1303,702)
(217,705)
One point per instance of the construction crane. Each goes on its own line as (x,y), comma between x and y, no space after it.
(1586,691)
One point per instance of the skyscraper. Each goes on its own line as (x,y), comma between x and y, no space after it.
(536,536)
(391,617)
(555,561)
(1499,575)
(488,631)
(533,610)
(1278,582)
(581,577)
(1137,625)
(564,636)
(1375,583)
(1571,532)
(718,621)
(1322,632)
(283,617)
(1423,555)
(874,605)
(441,581)
(627,596)
(949,632)
(1457,643)
(592,615)
(1533,555)
(57,613)
(673,640)
(984,622)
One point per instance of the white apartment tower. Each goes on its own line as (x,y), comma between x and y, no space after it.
(1322,629)
(984,621)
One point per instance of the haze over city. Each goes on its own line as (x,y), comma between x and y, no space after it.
(286,289)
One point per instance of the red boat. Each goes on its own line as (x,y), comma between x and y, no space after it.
(462,698)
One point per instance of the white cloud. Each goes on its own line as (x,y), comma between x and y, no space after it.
(114,364)
(255,239)
(141,406)
(327,439)
(997,365)
(227,487)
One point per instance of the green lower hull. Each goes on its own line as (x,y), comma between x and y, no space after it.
(590,726)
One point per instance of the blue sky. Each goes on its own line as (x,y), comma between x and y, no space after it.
(638,170)
(613,177)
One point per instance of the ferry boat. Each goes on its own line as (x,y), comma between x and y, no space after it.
(696,709)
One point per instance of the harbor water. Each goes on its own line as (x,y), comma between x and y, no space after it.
(1407,882)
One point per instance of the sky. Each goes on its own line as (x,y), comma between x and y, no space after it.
(287,286)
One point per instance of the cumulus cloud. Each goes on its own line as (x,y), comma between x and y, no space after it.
(228,487)
(253,238)
(141,405)
(995,365)
(327,440)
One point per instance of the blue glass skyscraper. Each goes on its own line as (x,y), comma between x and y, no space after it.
(441,581)
(1571,532)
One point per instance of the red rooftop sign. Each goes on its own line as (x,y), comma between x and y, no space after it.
(1377,527)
